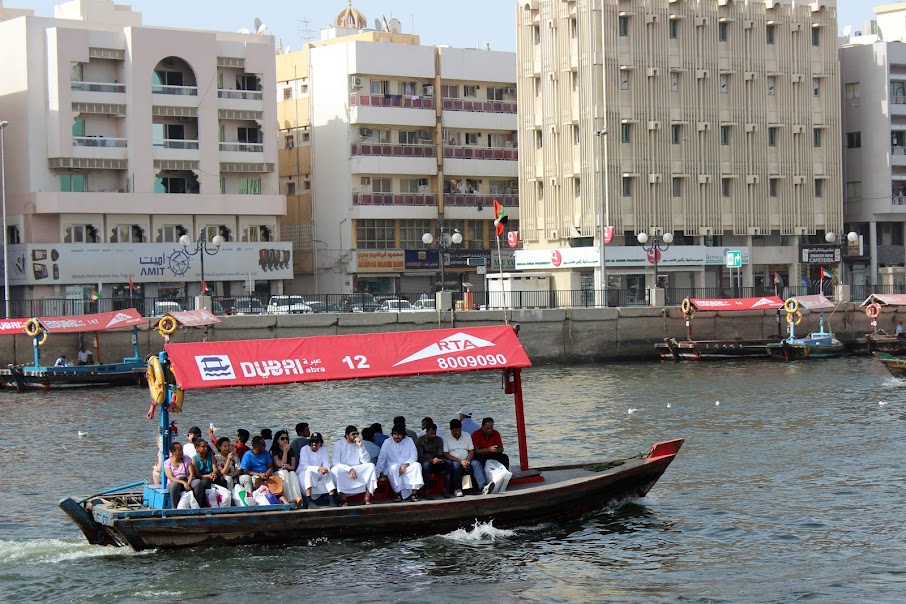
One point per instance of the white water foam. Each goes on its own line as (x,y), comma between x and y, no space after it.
(44,551)
(480,532)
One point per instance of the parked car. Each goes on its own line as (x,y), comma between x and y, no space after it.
(162,307)
(288,305)
(361,303)
(395,305)
(248,307)
(216,308)
(325,307)
(424,305)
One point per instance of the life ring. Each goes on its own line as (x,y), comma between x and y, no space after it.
(33,327)
(43,338)
(687,306)
(873,310)
(155,375)
(791,305)
(177,396)
(167,326)
(798,319)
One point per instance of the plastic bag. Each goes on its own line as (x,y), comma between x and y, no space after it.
(466,482)
(241,497)
(263,496)
(187,501)
(218,497)
(498,474)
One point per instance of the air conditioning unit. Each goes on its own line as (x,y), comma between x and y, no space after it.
(424,135)
(703,126)
(701,74)
(654,179)
(652,72)
(797,129)
(512,184)
(704,179)
(355,82)
(654,125)
(511,90)
(752,180)
(428,90)
(555,234)
(751,127)
(365,132)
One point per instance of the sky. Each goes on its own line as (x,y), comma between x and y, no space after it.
(458,23)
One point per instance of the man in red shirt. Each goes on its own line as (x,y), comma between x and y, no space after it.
(488,444)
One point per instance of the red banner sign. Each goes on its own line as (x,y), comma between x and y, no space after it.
(321,358)
(97,322)
(725,304)
(12,327)
(194,318)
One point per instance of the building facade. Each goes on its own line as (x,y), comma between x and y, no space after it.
(122,138)
(398,140)
(722,123)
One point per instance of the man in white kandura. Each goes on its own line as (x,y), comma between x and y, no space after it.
(352,469)
(313,470)
(398,461)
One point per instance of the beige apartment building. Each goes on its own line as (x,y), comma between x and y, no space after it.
(382,141)
(722,124)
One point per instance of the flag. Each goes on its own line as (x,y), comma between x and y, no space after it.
(826,274)
(500,218)
(95,295)
(777,279)
(204,288)
(131,284)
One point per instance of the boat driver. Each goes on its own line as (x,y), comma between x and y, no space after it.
(86,357)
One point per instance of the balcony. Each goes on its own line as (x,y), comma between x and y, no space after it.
(391,150)
(175,90)
(391,100)
(242,95)
(370,158)
(394,199)
(177,143)
(98,141)
(492,153)
(479,200)
(392,110)
(479,106)
(898,200)
(97,87)
(243,147)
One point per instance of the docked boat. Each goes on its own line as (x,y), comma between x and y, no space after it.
(895,365)
(131,370)
(879,340)
(691,349)
(139,515)
(819,344)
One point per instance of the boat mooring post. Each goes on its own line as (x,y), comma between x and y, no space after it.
(165,417)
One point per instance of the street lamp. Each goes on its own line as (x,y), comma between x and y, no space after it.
(443,243)
(851,237)
(601,273)
(201,248)
(3,126)
(655,248)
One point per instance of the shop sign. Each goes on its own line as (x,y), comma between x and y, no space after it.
(380,261)
(819,254)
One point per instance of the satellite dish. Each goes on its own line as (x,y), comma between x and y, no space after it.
(257,23)
(377,24)
(847,29)
(244,30)
(386,26)
(262,30)
(288,48)
(395,26)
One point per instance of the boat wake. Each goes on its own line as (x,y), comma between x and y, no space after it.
(480,532)
(44,551)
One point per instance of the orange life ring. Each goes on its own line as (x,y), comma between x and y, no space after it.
(33,327)
(167,326)
(687,306)
(791,305)
(873,310)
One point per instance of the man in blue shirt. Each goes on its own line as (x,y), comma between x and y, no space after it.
(469,425)
(256,463)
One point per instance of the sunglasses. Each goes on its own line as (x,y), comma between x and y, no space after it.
(284,438)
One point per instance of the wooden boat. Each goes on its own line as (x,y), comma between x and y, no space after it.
(895,365)
(879,340)
(819,344)
(130,370)
(144,519)
(690,349)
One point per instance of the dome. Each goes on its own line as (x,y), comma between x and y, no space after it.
(351,17)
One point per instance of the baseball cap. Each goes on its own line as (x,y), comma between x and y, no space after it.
(465,411)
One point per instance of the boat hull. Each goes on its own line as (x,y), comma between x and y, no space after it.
(895,365)
(565,493)
(806,348)
(24,378)
(706,350)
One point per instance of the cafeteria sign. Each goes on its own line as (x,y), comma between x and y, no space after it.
(820,254)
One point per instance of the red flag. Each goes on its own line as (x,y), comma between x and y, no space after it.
(204,288)
(500,218)
(131,284)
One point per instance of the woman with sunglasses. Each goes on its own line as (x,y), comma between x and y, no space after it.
(314,470)
(285,462)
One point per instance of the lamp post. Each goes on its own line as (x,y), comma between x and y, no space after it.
(444,241)
(201,249)
(851,237)
(653,250)
(3,126)
(601,273)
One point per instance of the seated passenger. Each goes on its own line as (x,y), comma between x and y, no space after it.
(489,447)
(85,356)
(427,421)
(459,451)
(285,464)
(399,420)
(206,472)
(225,458)
(301,440)
(379,436)
(368,440)
(398,461)
(180,473)
(352,471)
(430,449)
(256,464)
(314,470)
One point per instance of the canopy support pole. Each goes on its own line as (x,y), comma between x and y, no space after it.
(135,352)
(165,418)
(35,350)
(516,376)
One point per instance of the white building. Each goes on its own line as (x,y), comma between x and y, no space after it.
(403,140)
(722,121)
(873,67)
(121,138)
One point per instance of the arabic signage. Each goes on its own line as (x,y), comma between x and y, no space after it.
(319,358)
(388,261)
(727,304)
(97,322)
(379,261)
(633,256)
(90,263)
(820,254)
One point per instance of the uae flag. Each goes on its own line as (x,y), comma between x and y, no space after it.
(95,295)
(826,274)
(500,218)
(131,284)
(777,279)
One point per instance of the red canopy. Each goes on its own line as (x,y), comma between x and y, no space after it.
(194,318)
(321,358)
(725,304)
(886,299)
(12,327)
(97,322)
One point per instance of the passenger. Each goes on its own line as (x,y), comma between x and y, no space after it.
(268,437)
(399,420)
(314,471)
(459,451)
(352,472)
(242,437)
(427,421)
(180,473)
(85,357)
(379,436)
(398,461)
(285,464)
(301,440)
(900,332)
(225,458)
(61,361)
(430,449)
(193,434)
(468,424)
(206,472)
(256,463)
(368,441)
(489,448)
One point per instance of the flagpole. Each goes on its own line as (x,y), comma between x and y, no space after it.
(506,319)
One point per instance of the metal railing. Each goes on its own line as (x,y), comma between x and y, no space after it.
(467,152)
(246,147)
(394,199)
(97,87)
(176,143)
(394,150)
(248,95)
(481,200)
(391,100)
(177,90)
(479,106)
(98,141)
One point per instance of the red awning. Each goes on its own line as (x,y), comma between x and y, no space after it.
(97,322)
(12,327)
(816,302)
(321,358)
(193,318)
(733,304)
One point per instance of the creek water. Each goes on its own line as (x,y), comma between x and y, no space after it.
(790,488)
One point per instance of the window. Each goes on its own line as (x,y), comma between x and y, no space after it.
(674,81)
(76,75)
(409,185)
(411,232)
(772,136)
(852,90)
(290,141)
(306,137)
(724,135)
(575,134)
(170,184)
(287,94)
(375,233)
(769,33)
(816,36)
(170,233)
(625,133)
(624,26)
(407,88)
(722,29)
(816,137)
(494,93)
(379,87)
(673,26)
(854,190)
(772,85)
(677,187)
(246,82)
(256,232)
(470,92)
(676,133)
(303,87)
(165,78)
(627,186)
(540,190)
(247,135)
(449,91)
(724,82)
(537,87)
(381,136)
(408,137)
(290,188)
(497,187)
(78,128)
(539,139)
(72,183)
(472,138)
(80,233)
(853,140)
(499,141)
(250,186)
(574,80)
(624,79)
(222,185)
(772,187)
(816,86)
(536,33)
(726,186)
(819,187)
(577,187)
(382,185)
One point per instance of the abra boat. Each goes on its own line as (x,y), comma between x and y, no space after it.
(702,350)
(879,340)
(895,365)
(130,371)
(819,344)
(143,519)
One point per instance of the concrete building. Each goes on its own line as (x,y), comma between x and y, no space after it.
(122,138)
(722,121)
(383,140)
(873,67)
